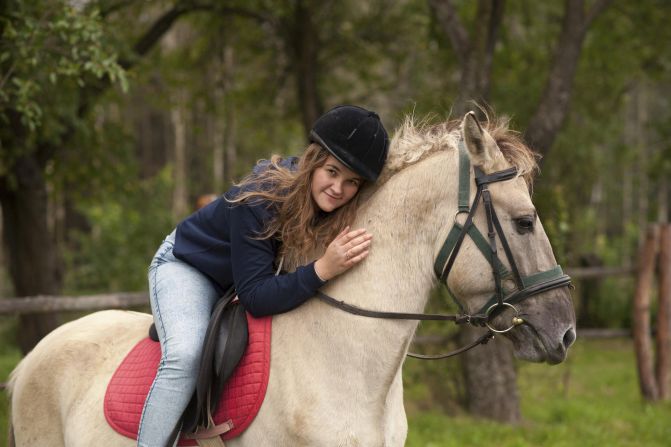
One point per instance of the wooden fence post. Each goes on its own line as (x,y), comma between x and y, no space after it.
(664,313)
(641,315)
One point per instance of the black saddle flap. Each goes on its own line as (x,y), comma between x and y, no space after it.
(231,345)
(225,343)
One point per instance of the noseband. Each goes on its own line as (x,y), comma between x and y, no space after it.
(525,286)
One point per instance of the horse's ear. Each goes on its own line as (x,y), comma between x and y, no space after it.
(479,142)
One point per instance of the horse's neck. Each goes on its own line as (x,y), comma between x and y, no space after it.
(398,274)
(406,217)
(333,362)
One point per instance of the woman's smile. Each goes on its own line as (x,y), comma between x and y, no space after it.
(333,185)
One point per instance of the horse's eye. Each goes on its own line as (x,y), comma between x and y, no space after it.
(525,224)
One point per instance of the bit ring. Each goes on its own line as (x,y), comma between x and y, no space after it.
(516,320)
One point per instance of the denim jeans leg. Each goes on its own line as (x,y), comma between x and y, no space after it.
(181,299)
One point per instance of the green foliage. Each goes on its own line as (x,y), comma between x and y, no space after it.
(612,153)
(49,51)
(389,55)
(48,41)
(521,61)
(126,231)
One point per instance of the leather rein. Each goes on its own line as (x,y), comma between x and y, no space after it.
(526,286)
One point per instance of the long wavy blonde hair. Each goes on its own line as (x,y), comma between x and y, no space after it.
(303,229)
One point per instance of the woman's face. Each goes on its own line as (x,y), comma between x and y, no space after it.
(333,185)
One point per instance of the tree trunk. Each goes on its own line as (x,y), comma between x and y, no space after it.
(230,152)
(152,129)
(491,378)
(216,132)
(641,316)
(663,200)
(590,289)
(304,49)
(477,63)
(223,122)
(627,208)
(5,289)
(494,394)
(230,149)
(553,107)
(475,52)
(31,252)
(664,313)
(180,197)
(29,246)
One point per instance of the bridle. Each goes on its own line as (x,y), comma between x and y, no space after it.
(525,286)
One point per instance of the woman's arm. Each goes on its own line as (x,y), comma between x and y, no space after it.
(260,291)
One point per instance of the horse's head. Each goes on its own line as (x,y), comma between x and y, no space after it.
(527,268)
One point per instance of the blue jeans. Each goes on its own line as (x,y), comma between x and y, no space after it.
(181,299)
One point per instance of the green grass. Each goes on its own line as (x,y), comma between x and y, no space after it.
(590,400)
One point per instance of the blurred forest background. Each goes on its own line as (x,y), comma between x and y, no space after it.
(116,115)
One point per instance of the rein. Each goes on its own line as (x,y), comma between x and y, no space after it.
(526,286)
(476,320)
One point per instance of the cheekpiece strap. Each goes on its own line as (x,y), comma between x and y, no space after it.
(464,178)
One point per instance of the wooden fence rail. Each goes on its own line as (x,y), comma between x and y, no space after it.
(48,303)
(599,272)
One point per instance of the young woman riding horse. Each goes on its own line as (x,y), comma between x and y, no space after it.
(285,208)
(335,378)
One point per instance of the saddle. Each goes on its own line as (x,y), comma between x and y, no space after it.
(225,343)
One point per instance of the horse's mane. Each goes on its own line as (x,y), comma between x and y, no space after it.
(415,140)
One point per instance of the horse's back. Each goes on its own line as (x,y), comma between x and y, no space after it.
(58,388)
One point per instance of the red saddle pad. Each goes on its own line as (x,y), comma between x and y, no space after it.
(240,401)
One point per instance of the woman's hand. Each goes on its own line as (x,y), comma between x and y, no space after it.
(347,249)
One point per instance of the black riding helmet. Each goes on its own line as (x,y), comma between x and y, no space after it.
(355,136)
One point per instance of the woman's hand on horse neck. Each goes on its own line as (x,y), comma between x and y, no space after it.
(347,249)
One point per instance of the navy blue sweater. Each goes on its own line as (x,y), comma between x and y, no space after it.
(220,241)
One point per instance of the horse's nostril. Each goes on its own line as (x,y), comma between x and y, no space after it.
(569,338)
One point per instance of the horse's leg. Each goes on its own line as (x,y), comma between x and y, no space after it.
(396,422)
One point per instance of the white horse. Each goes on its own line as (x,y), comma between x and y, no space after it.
(335,378)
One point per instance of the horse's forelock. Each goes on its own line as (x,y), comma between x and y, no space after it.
(515,150)
(415,140)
